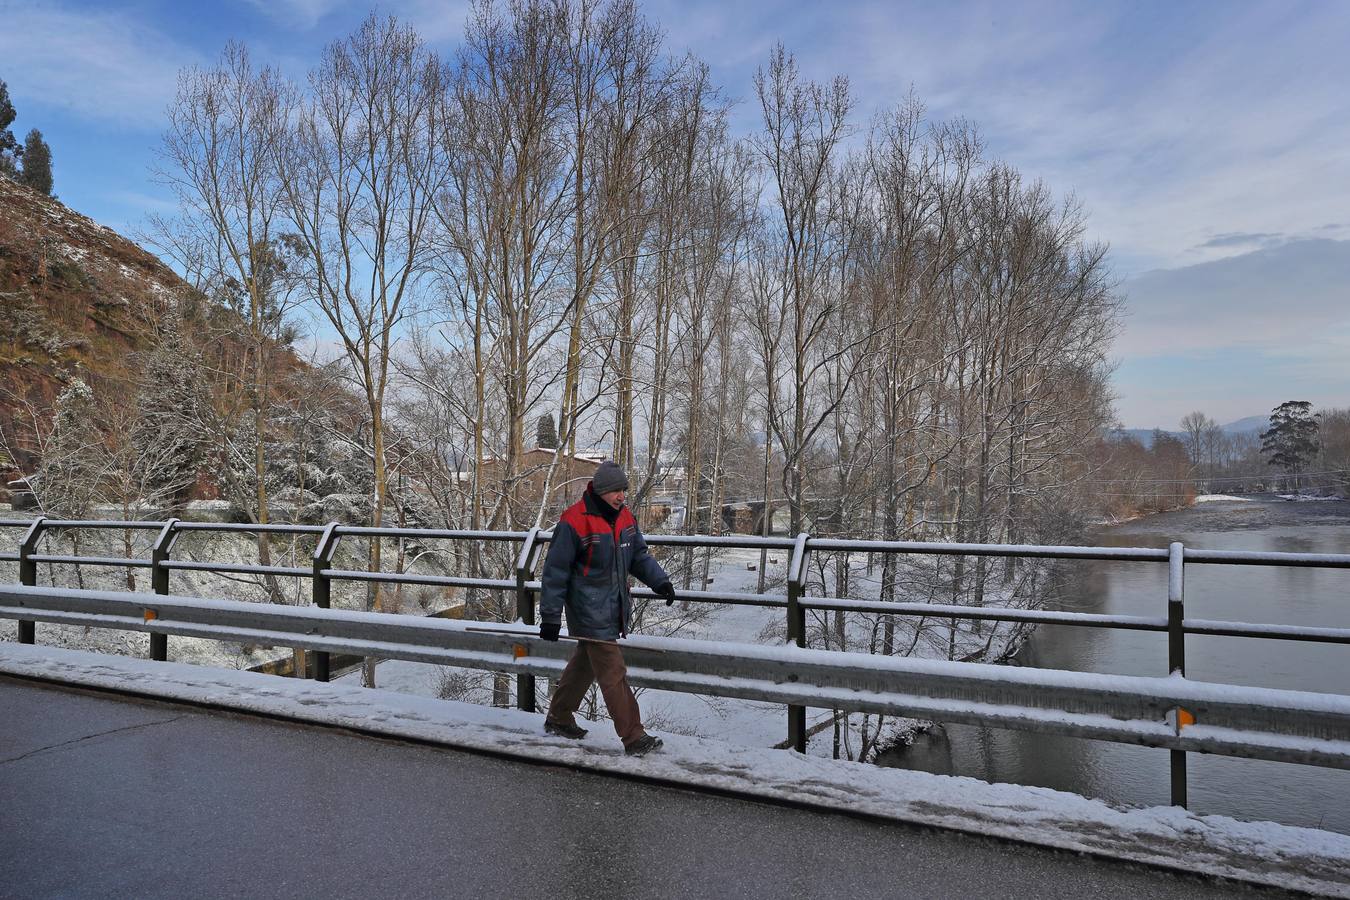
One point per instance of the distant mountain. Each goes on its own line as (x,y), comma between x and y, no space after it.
(1251,423)
(1248,425)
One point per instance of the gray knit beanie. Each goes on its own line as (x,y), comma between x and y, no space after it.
(609,477)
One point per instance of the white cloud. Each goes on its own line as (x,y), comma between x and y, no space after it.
(101,66)
(303,14)
(1290,296)
(439,22)
(1174,124)
(320,347)
(1245,130)
(1237,336)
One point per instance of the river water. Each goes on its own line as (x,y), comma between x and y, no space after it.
(1245,789)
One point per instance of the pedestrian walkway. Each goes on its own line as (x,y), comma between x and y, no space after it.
(113,797)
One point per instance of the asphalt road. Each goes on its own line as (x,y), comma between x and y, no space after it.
(102,796)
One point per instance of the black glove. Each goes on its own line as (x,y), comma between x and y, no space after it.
(549,630)
(667,590)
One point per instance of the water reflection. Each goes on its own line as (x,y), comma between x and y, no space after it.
(1292,543)
(1248,789)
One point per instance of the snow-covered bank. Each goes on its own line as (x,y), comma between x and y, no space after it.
(746,722)
(733,570)
(1261,852)
(1296,498)
(227,548)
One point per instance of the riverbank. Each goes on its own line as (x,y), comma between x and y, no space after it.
(1245,789)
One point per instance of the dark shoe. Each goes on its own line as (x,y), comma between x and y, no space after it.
(643,745)
(575,732)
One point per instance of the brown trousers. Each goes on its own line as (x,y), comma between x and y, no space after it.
(600,661)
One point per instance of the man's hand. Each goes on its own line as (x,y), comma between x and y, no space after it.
(549,630)
(667,590)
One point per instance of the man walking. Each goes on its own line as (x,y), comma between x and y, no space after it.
(595,547)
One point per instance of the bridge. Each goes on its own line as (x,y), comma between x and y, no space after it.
(1168,711)
(107,796)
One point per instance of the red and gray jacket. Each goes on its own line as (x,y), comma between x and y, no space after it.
(587,568)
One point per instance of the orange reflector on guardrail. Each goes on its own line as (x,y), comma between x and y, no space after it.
(151,614)
(1179,718)
(519,650)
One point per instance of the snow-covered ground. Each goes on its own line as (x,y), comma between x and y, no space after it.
(1215,498)
(739,722)
(1261,852)
(219,547)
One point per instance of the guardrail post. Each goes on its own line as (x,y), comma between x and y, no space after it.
(1176,655)
(159,582)
(28,574)
(525,612)
(796,632)
(321,587)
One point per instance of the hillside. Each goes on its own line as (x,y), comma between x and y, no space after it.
(75,297)
(1248,425)
(78,300)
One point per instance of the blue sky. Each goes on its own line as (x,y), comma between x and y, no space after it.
(1209,142)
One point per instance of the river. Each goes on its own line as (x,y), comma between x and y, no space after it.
(1244,789)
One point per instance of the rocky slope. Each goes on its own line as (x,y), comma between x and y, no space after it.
(75,298)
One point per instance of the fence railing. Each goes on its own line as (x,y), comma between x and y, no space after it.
(1259,723)
(795,602)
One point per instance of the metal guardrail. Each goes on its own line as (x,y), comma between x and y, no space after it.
(1257,723)
(796,603)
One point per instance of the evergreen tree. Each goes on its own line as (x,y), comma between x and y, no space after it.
(1291,439)
(9,147)
(546,433)
(37,163)
(167,430)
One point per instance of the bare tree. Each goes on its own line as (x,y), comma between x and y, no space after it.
(360,172)
(927,329)
(219,157)
(505,213)
(804,124)
(617,89)
(1195,427)
(69,454)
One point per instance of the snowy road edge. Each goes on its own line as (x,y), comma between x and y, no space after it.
(1259,852)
